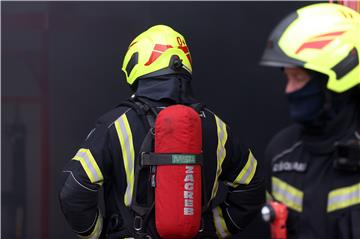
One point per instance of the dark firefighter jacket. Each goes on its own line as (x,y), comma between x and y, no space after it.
(106,157)
(323,200)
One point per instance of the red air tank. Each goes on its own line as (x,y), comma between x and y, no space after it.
(178,186)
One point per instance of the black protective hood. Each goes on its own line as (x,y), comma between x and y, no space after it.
(169,88)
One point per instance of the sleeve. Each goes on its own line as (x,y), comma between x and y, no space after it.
(83,178)
(268,172)
(245,186)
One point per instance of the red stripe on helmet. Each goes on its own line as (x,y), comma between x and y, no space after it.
(329,34)
(313,45)
(156,53)
(159,47)
(185,49)
(318,44)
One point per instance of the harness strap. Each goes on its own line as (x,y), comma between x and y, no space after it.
(137,217)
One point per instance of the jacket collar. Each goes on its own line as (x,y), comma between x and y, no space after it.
(174,89)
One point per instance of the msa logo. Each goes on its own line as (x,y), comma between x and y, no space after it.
(289,166)
(189,191)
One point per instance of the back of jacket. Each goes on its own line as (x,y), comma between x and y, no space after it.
(107,157)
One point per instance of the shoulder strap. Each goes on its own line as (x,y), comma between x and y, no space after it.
(198,107)
(142,108)
(138,214)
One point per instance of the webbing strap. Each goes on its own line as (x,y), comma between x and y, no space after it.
(149,159)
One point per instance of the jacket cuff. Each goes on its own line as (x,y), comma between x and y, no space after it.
(221,227)
(95,231)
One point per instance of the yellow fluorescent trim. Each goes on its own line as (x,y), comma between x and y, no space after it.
(245,176)
(220,152)
(220,225)
(89,165)
(289,195)
(126,142)
(343,197)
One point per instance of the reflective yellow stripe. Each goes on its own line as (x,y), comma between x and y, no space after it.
(247,173)
(287,194)
(343,197)
(220,225)
(127,147)
(90,166)
(220,152)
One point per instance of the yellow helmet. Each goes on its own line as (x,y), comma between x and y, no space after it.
(322,37)
(158,51)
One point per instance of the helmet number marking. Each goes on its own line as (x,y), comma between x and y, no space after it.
(181,41)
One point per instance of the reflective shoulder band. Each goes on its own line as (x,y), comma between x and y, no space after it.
(287,194)
(247,173)
(90,166)
(219,222)
(343,197)
(126,142)
(220,152)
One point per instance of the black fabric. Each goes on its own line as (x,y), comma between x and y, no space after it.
(315,149)
(81,219)
(251,196)
(170,88)
(321,139)
(104,145)
(306,103)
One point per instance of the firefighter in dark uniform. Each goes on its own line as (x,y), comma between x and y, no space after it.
(158,68)
(313,166)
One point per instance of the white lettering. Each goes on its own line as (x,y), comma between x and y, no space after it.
(289,166)
(188,211)
(189,190)
(188,194)
(189,178)
(189,186)
(189,169)
(189,203)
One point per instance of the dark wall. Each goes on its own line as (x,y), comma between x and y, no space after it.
(79,53)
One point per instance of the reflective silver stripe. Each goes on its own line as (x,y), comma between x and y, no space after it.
(247,173)
(343,197)
(250,170)
(127,147)
(220,152)
(89,165)
(289,195)
(220,225)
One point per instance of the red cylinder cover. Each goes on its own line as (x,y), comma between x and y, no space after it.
(178,187)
